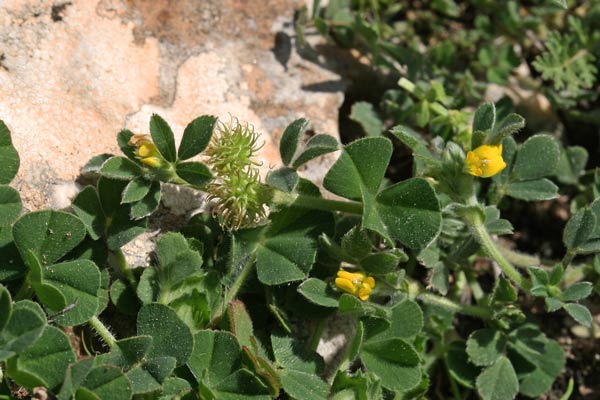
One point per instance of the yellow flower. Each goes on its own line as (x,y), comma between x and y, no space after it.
(146,150)
(355,283)
(485,161)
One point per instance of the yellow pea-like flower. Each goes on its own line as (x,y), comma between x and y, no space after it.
(355,283)
(146,150)
(485,161)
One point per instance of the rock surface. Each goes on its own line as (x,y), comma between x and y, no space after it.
(73,73)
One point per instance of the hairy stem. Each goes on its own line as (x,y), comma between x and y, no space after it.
(474,311)
(103,331)
(316,203)
(489,246)
(519,259)
(233,290)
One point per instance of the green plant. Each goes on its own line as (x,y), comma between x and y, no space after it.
(219,312)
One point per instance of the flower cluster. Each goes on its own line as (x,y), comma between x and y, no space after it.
(355,283)
(146,151)
(485,161)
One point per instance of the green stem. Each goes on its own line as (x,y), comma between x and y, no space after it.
(119,264)
(519,259)
(316,203)
(233,290)
(576,274)
(103,331)
(474,311)
(566,261)
(483,237)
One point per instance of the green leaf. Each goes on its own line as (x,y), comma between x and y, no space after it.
(79,283)
(356,243)
(163,138)
(285,179)
(288,249)
(149,375)
(176,259)
(147,205)
(567,63)
(129,352)
(498,381)
(572,164)
(317,146)
(394,361)
(577,291)
(88,208)
(240,323)
(360,168)
(74,377)
(48,234)
(289,354)
(5,307)
(537,158)
(196,136)
(484,119)
(25,324)
(45,362)
(504,292)
(123,138)
(108,382)
(537,360)
(194,173)
(536,190)
(380,263)
(290,138)
(579,228)
(9,158)
(10,205)
(408,211)
(302,385)
(459,366)
(485,346)
(11,264)
(122,229)
(170,336)
(363,113)
(124,298)
(406,320)
(135,190)
(318,292)
(560,3)
(241,384)
(510,125)
(120,168)
(579,313)
(215,356)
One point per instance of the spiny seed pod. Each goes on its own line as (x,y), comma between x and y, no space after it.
(233,147)
(239,195)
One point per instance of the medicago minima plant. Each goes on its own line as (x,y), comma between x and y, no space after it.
(234,304)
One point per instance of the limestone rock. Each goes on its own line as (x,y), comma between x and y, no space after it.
(73,73)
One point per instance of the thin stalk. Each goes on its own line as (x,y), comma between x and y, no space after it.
(103,331)
(233,290)
(473,311)
(117,261)
(489,246)
(316,203)
(453,385)
(566,261)
(519,259)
